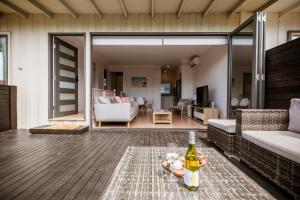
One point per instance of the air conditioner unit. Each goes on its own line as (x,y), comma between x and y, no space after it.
(195,60)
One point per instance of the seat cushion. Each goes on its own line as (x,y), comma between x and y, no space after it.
(227,125)
(294,116)
(283,143)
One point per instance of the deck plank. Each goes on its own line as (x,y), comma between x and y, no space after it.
(69,166)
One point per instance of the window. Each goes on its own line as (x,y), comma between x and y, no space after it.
(293,35)
(3,58)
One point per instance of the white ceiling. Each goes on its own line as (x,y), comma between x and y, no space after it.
(143,6)
(146,55)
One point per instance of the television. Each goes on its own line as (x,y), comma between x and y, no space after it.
(165,88)
(202,96)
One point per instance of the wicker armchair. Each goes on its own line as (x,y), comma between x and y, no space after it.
(282,171)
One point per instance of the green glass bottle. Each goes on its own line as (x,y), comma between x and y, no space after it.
(191,166)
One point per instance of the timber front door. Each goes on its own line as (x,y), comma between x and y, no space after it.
(65,76)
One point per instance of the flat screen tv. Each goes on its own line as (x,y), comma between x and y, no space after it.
(202,96)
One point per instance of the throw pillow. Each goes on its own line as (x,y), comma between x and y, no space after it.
(125,99)
(115,100)
(294,116)
(104,100)
(118,99)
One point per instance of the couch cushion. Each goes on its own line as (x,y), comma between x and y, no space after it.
(227,125)
(104,100)
(283,143)
(294,116)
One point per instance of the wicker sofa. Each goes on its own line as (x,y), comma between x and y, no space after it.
(279,169)
(221,132)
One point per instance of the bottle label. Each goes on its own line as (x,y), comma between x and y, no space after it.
(193,163)
(191,178)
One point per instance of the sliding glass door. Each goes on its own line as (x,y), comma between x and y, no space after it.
(246,65)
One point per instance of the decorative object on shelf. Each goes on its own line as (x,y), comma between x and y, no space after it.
(212,104)
(139,81)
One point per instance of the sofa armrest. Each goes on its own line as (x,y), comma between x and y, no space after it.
(261,119)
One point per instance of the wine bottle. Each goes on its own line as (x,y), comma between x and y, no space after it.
(191,166)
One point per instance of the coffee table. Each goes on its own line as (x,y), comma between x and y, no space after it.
(139,175)
(162,117)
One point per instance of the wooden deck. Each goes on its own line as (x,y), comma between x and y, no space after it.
(67,166)
(70,166)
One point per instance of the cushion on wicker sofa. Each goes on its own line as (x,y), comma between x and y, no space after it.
(227,125)
(283,143)
(294,115)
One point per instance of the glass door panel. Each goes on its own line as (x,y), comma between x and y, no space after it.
(246,69)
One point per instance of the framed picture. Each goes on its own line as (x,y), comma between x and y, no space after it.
(139,81)
(293,34)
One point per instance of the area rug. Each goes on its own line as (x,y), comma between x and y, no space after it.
(139,175)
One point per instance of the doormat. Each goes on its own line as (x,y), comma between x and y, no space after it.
(60,129)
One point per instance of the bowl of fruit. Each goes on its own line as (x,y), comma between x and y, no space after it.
(178,165)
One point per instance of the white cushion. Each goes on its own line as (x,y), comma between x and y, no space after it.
(104,100)
(283,143)
(227,125)
(294,116)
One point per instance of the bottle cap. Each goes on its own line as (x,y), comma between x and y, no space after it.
(192,137)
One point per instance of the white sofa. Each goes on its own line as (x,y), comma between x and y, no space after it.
(115,112)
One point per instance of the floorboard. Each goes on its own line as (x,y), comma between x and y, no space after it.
(78,166)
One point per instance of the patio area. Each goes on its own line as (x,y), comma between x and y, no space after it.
(81,166)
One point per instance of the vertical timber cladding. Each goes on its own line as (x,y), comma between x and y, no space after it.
(282,75)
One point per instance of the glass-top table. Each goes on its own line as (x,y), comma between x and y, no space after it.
(139,175)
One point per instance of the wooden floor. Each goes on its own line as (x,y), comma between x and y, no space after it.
(145,120)
(75,117)
(70,166)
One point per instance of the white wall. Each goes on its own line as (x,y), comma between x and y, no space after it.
(187,84)
(153,75)
(98,75)
(212,71)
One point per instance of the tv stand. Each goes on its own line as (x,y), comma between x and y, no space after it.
(203,114)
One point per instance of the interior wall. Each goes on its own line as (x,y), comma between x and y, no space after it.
(212,71)
(98,75)
(187,84)
(153,75)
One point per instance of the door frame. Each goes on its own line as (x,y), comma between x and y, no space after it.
(258,59)
(51,35)
(137,34)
